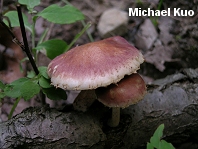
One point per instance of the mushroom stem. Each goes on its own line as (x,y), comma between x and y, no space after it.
(84,100)
(115,119)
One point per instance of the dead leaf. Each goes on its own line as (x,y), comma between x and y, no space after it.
(158,56)
(165,24)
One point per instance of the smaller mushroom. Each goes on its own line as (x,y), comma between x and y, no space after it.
(128,91)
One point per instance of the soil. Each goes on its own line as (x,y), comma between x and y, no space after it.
(183,47)
(178,42)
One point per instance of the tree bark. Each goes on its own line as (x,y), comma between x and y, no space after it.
(172,101)
(48,128)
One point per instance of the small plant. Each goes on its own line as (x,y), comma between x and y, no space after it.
(154,19)
(37,81)
(156,142)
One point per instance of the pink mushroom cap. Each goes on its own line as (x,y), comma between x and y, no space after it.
(95,64)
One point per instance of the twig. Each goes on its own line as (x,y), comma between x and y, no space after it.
(26,47)
(1,7)
(8,29)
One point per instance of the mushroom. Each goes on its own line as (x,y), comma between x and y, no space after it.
(96,64)
(126,92)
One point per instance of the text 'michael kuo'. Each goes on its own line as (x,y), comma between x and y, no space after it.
(149,12)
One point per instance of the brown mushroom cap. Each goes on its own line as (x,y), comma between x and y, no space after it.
(95,64)
(128,91)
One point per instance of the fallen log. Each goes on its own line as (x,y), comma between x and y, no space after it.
(172,101)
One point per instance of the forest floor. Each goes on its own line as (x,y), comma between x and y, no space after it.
(174,48)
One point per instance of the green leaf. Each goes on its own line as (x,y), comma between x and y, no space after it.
(53,47)
(165,145)
(44,83)
(23,87)
(43,71)
(12,91)
(159,131)
(55,93)
(61,15)
(155,139)
(19,82)
(155,142)
(31,74)
(2,86)
(149,146)
(2,95)
(29,89)
(13,17)
(30,4)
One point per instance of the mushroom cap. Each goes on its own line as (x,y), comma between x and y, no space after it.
(95,64)
(128,91)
